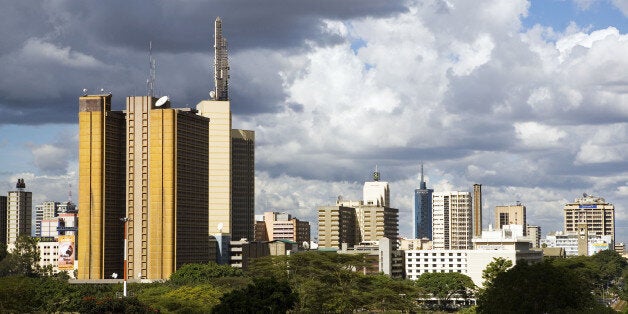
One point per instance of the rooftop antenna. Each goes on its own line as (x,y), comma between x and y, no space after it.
(69,192)
(376,174)
(221,64)
(422,183)
(150,82)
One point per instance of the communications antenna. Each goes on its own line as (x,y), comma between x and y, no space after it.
(150,82)
(69,192)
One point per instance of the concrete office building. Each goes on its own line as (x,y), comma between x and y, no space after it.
(423,210)
(242,183)
(477,210)
(282,226)
(352,222)
(224,181)
(510,215)
(379,257)
(595,212)
(44,211)
(19,213)
(452,220)
(336,225)
(472,262)
(3,220)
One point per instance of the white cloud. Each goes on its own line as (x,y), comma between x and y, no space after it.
(536,135)
(622,5)
(39,50)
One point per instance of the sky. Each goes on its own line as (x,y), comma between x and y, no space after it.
(527,98)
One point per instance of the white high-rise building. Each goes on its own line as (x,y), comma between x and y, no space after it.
(452,220)
(376,193)
(44,211)
(19,213)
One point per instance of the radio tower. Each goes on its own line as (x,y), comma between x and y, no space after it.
(221,63)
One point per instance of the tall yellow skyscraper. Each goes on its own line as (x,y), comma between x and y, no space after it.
(101,188)
(149,166)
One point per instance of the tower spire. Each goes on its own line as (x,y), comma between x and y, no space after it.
(221,63)
(422,183)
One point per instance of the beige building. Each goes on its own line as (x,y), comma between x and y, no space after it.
(367,220)
(477,210)
(510,215)
(595,212)
(337,225)
(19,213)
(534,233)
(282,226)
(452,220)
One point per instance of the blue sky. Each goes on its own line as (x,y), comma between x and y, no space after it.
(560,13)
(333,88)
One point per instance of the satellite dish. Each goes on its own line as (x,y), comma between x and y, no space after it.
(161,101)
(84,91)
(114,275)
(212,95)
(220,226)
(306,245)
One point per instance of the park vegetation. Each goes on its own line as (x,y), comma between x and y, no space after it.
(321,282)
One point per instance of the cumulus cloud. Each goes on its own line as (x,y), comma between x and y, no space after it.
(334,88)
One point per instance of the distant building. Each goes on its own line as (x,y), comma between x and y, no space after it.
(534,233)
(380,257)
(423,210)
(44,211)
(477,210)
(510,215)
(352,222)
(595,212)
(572,245)
(19,213)
(452,220)
(337,225)
(472,262)
(282,226)
(3,220)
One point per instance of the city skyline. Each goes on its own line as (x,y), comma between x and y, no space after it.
(528,99)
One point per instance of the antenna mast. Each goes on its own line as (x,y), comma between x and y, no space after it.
(221,63)
(150,82)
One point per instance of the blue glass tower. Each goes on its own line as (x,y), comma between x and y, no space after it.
(423,210)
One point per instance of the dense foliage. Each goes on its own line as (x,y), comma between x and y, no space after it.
(319,282)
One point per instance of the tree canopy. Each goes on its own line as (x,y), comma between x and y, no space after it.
(497,266)
(537,288)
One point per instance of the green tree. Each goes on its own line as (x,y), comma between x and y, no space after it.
(23,258)
(262,296)
(444,286)
(493,269)
(203,273)
(537,288)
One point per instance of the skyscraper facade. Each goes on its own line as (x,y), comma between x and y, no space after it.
(3,220)
(242,183)
(423,210)
(101,188)
(165,172)
(477,210)
(337,225)
(510,215)
(452,220)
(19,213)
(595,212)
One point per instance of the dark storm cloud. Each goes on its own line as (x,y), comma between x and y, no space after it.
(45,45)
